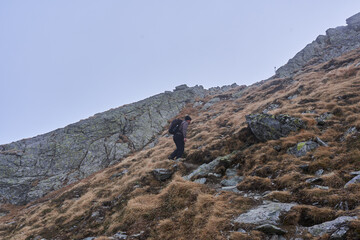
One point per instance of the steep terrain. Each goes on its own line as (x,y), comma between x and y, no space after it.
(276,160)
(336,42)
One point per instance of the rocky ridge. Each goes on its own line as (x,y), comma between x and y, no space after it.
(31,168)
(336,42)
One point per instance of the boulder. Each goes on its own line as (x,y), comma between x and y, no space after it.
(269,127)
(268,213)
(207,168)
(330,226)
(302,148)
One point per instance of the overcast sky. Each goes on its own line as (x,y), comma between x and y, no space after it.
(63,61)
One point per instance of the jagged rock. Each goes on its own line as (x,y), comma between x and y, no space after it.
(32,167)
(181,87)
(162,174)
(120,174)
(271,229)
(269,127)
(353,181)
(321,120)
(207,168)
(302,148)
(330,227)
(268,213)
(335,43)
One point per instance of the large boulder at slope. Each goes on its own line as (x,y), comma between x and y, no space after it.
(268,213)
(331,226)
(32,167)
(335,43)
(270,127)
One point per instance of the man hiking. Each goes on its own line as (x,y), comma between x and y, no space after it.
(179,130)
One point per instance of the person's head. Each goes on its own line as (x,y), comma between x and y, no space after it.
(188,119)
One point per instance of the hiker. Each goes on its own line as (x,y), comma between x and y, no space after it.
(179,136)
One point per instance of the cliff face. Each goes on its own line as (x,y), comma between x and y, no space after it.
(30,168)
(336,42)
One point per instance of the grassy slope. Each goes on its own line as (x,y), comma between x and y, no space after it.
(102,205)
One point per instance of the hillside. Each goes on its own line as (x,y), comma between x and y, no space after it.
(276,160)
(128,198)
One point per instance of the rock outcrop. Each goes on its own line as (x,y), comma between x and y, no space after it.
(269,127)
(30,168)
(335,43)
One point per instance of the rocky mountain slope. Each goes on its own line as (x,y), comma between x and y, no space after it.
(336,42)
(30,168)
(275,160)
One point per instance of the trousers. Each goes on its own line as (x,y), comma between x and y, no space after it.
(180,145)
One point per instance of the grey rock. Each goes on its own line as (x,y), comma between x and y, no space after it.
(89,238)
(302,148)
(201,180)
(319,172)
(342,206)
(118,175)
(120,236)
(330,227)
(231,172)
(232,181)
(32,167)
(181,87)
(210,103)
(268,213)
(321,142)
(205,169)
(314,180)
(269,127)
(353,181)
(339,234)
(354,22)
(321,187)
(162,174)
(335,43)
(198,104)
(355,173)
(321,120)
(271,229)
(292,97)
(348,133)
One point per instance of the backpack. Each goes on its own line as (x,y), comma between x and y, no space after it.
(174,126)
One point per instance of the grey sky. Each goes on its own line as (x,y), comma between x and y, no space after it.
(62,61)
